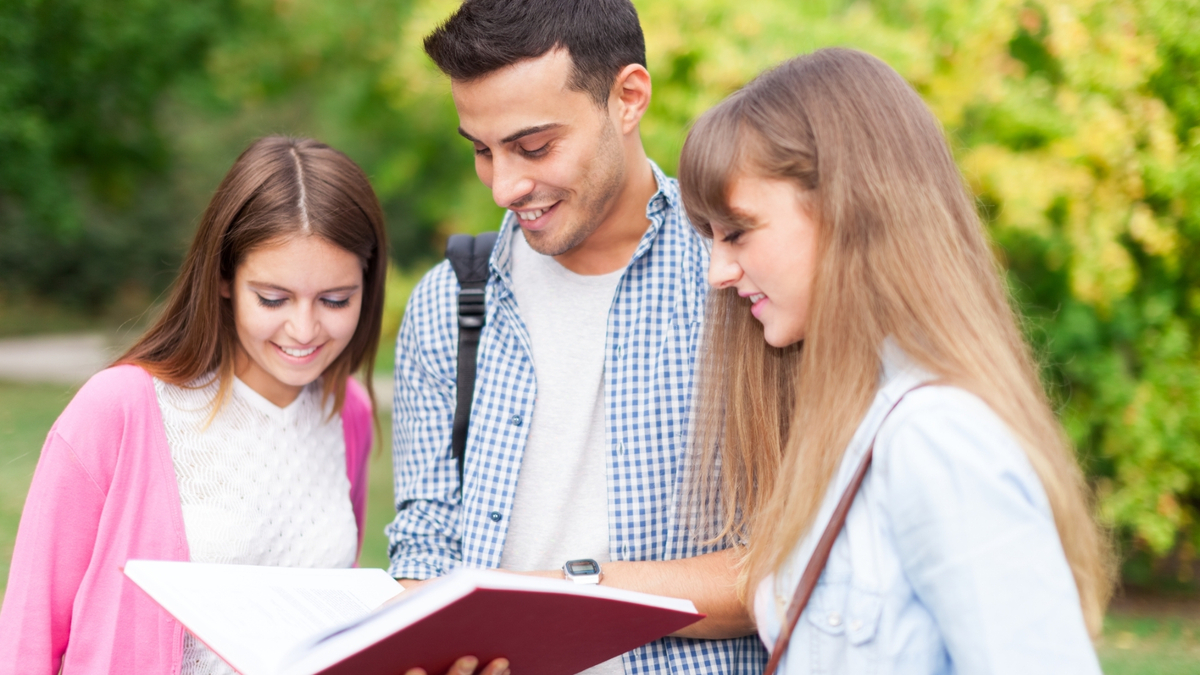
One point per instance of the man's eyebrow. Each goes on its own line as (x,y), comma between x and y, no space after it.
(527,131)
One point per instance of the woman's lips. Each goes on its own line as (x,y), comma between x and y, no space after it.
(758,302)
(299,355)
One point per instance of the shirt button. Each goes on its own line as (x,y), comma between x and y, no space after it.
(855,625)
(495,516)
(516,420)
(835,619)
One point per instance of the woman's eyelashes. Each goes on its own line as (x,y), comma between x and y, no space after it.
(270,303)
(332,303)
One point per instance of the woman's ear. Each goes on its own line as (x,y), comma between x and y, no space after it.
(226,292)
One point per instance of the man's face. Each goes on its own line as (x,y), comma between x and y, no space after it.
(549,153)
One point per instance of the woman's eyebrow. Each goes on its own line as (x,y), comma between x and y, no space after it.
(276,287)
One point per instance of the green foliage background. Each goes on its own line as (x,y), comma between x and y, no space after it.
(1076,122)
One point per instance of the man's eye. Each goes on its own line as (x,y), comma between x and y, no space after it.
(482,151)
(536,152)
(270,302)
(732,237)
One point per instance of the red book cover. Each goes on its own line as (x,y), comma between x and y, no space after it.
(540,633)
(293,621)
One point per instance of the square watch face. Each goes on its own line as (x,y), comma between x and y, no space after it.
(582,567)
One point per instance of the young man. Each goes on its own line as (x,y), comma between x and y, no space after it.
(577,440)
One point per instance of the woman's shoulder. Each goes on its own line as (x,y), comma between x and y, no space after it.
(118,390)
(947,435)
(114,410)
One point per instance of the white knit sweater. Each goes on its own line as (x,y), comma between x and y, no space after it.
(260,485)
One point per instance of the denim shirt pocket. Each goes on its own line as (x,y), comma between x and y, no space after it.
(844,621)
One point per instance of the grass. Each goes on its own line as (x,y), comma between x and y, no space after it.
(1158,643)
(1136,641)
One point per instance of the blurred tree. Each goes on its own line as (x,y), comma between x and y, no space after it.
(78,93)
(321,69)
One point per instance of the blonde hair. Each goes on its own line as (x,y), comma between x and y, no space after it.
(901,253)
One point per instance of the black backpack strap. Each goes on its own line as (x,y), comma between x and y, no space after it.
(469,257)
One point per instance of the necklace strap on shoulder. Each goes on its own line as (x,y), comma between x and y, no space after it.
(820,556)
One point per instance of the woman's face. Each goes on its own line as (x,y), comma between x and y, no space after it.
(296,303)
(774,263)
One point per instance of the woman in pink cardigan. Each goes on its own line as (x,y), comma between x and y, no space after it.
(230,433)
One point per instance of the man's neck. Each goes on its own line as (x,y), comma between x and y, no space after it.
(610,247)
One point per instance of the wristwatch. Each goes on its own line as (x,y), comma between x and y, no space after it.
(583,571)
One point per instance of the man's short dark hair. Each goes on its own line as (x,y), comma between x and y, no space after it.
(483,36)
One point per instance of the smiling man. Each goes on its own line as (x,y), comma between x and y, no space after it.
(577,441)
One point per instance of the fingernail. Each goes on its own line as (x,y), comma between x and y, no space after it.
(467,665)
(501,666)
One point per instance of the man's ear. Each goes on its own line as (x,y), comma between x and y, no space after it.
(631,96)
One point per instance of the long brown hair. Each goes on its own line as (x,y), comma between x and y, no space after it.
(279,187)
(901,253)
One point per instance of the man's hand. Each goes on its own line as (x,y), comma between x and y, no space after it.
(466,666)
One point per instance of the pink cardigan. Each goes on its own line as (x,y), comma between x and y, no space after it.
(104,491)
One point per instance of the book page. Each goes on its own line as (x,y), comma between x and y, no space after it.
(252,616)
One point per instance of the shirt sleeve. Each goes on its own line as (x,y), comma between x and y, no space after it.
(424,540)
(977,540)
(54,546)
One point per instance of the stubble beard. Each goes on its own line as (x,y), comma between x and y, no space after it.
(603,180)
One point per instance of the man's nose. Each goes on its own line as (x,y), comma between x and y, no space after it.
(510,182)
(723,269)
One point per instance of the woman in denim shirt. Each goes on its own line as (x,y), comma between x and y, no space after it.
(851,270)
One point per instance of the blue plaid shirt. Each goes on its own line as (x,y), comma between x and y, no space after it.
(654,332)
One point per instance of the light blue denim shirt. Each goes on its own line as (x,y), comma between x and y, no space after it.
(949,561)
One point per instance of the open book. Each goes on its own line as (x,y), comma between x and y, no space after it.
(295,621)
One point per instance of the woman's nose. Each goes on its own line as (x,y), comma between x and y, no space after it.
(303,325)
(723,270)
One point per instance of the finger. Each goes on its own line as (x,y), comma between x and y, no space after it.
(465,665)
(496,667)
(416,671)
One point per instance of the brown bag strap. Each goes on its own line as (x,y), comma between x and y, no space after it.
(820,556)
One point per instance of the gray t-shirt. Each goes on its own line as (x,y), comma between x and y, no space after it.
(560,510)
